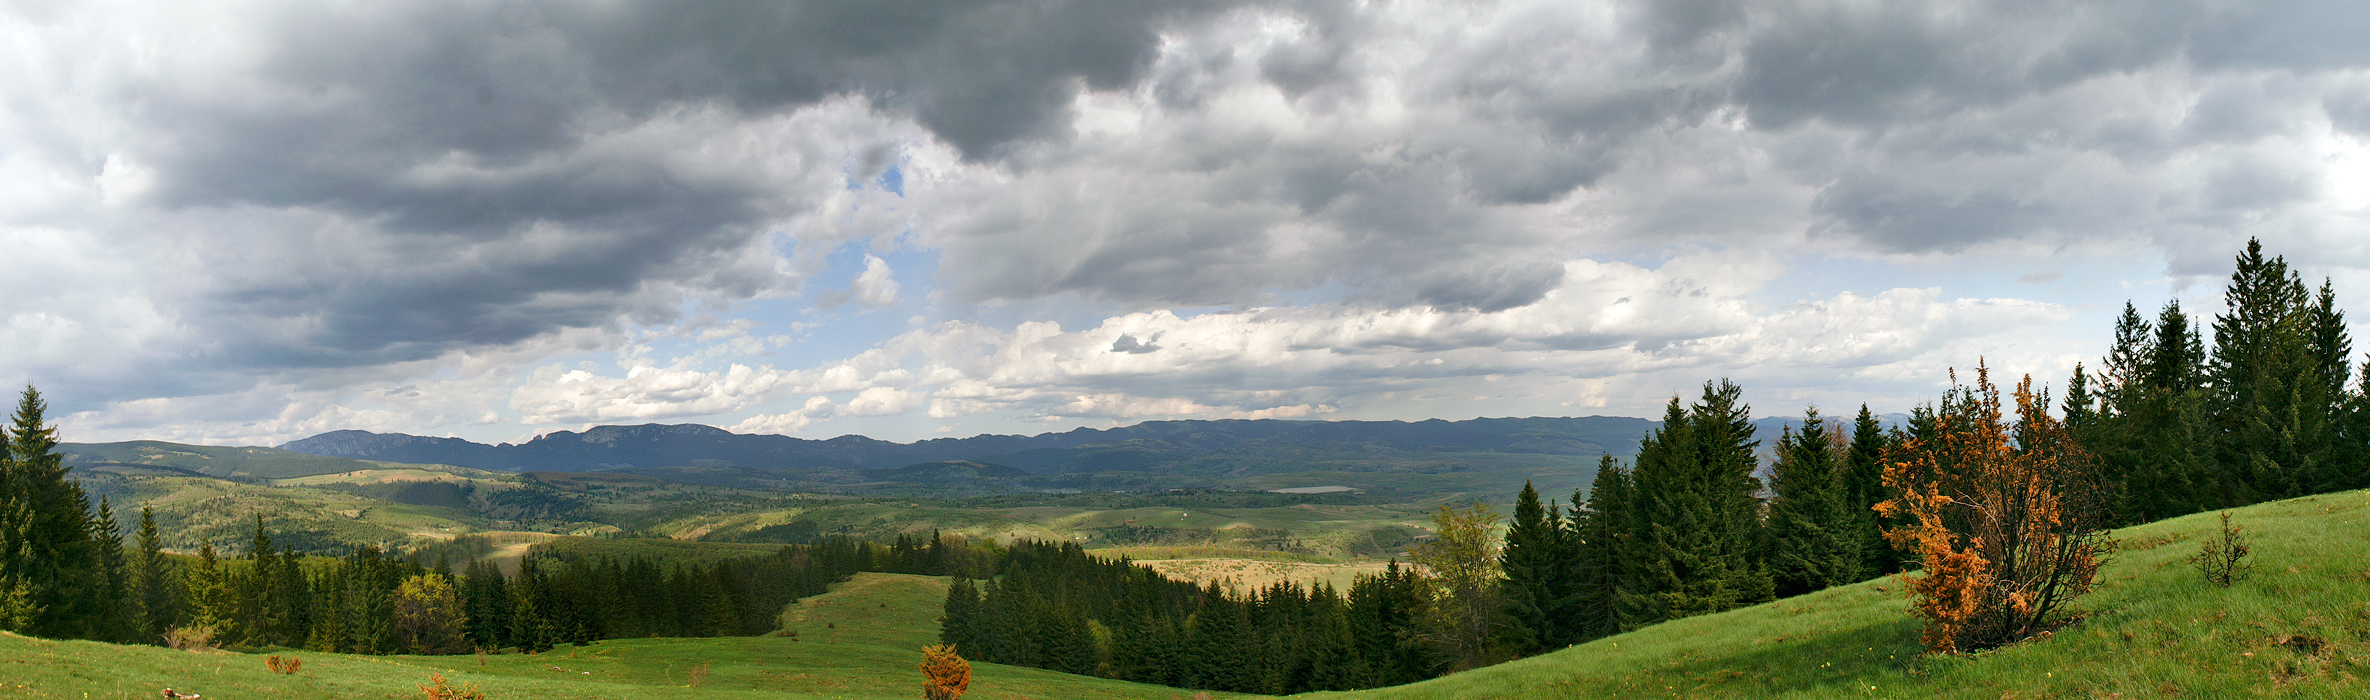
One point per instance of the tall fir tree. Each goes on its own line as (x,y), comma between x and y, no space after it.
(1814,542)
(55,559)
(155,600)
(1699,511)
(1863,488)
(1530,563)
(113,621)
(1601,534)
(2337,464)
(211,602)
(2271,418)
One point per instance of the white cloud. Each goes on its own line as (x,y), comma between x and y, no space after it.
(876,288)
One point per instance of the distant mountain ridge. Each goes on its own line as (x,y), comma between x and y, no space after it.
(1080,450)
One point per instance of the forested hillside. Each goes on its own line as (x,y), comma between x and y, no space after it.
(2000,499)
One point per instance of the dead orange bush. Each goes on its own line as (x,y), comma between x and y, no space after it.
(944,675)
(2007,519)
(287,666)
(439,689)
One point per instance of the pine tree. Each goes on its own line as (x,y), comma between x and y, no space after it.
(1529,564)
(2263,375)
(2337,462)
(1814,541)
(211,604)
(1601,535)
(961,617)
(155,598)
(254,588)
(1863,488)
(53,561)
(1384,615)
(1698,511)
(114,621)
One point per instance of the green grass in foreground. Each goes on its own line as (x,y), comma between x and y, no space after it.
(2156,630)
(862,640)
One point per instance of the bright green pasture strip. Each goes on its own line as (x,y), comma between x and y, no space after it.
(2156,629)
(861,640)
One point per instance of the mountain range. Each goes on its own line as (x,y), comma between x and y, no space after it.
(1142,447)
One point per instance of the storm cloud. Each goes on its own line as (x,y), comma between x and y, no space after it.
(299,209)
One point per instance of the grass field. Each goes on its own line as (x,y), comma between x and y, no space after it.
(861,640)
(2298,628)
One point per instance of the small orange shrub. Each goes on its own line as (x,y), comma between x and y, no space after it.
(287,666)
(2007,519)
(438,689)
(944,675)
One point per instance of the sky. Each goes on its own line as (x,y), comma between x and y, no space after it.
(243,222)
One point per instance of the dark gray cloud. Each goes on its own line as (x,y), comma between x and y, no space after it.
(472,174)
(326,189)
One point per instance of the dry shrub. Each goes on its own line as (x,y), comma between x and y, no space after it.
(438,689)
(699,674)
(2223,559)
(288,666)
(193,638)
(2006,518)
(944,675)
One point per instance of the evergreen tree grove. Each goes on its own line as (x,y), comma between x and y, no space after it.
(1699,531)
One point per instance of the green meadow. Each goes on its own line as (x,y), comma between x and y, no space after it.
(2298,627)
(861,640)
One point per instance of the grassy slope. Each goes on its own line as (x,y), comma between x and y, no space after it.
(861,640)
(2157,630)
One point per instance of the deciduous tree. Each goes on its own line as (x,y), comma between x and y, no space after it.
(1460,562)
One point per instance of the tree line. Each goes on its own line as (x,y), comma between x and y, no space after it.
(1056,607)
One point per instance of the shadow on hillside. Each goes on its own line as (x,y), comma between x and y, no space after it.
(1819,660)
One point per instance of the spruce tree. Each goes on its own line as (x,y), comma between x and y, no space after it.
(2338,463)
(1814,542)
(114,620)
(155,600)
(957,628)
(2269,416)
(1601,534)
(53,561)
(1699,513)
(210,598)
(1529,563)
(1863,488)
(255,590)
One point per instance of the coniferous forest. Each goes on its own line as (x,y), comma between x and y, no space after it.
(2182,414)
